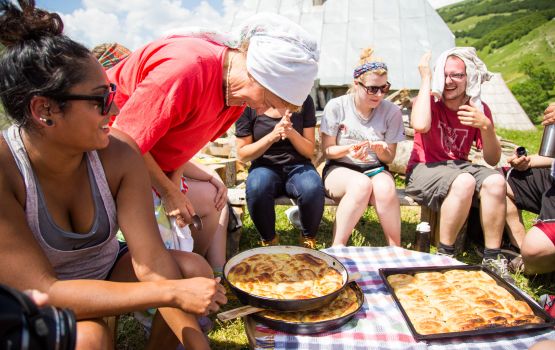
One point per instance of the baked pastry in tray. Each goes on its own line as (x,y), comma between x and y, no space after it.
(345,303)
(458,301)
(285,276)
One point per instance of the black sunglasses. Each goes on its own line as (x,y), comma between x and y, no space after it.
(372,90)
(105,99)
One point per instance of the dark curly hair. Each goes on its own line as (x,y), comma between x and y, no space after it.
(38,60)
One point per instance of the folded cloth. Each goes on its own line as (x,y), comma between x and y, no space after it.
(476,74)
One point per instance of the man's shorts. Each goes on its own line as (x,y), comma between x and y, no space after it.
(534,190)
(429,183)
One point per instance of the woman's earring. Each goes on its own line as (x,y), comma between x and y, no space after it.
(46,121)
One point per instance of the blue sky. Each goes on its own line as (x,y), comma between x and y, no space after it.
(68,6)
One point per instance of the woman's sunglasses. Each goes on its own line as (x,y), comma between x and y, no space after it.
(372,90)
(105,99)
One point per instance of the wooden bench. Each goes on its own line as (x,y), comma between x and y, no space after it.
(237,199)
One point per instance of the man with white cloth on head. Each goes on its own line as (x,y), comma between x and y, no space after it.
(448,116)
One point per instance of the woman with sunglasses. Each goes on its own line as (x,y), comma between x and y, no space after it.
(180,92)
(66,185)
(359,134)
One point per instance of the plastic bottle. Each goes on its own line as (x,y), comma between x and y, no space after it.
(422,237)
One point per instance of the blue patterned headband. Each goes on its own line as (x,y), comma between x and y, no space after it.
(369,66)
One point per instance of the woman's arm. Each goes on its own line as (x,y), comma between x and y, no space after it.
(421,115)
(247,150)
(330,148)
(304,144)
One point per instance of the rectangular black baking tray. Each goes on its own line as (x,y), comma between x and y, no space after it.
(538,311)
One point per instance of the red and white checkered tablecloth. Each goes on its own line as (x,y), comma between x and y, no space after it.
(379,324)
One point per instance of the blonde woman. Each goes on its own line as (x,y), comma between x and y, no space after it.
(360,132)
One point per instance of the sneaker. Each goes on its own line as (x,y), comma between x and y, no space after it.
(274,241)
(307,242)
(499,266)
(293,215)
(516,265)
(548,303)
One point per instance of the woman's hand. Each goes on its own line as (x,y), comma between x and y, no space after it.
(285,122)
(40,298)
(199,295)
(220,200)
(176,204)
(359,151)
(378,147)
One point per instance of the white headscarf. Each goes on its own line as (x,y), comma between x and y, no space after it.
(282,56)
(476,73)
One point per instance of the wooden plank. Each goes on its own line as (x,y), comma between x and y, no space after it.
(237,197)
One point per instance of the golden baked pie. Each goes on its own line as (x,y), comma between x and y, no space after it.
(345,303)
(457,301)
(285,276)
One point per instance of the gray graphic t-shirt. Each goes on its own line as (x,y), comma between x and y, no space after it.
(340,119)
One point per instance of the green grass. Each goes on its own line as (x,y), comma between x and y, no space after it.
(468,23)
(529,139)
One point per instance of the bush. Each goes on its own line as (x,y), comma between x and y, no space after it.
(532,97)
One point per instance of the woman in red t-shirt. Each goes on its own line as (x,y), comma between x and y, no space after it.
(179,92)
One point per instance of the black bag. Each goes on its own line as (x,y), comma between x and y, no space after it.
(23,325)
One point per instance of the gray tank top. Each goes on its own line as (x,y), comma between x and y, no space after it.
(72,255)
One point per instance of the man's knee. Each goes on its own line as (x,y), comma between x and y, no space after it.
(463,186)
(537,252)
(494,185)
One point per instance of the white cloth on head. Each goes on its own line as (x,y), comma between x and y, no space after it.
(282,56)
(476,73)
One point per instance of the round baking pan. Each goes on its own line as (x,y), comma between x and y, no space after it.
(247,298)
(312,327)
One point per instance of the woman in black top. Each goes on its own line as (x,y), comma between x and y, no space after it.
(280,146)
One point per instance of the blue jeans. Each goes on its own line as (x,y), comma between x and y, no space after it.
(300,182)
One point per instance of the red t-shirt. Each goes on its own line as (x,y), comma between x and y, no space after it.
(447,138)
(171,98)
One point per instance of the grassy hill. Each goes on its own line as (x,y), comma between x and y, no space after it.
(515,38)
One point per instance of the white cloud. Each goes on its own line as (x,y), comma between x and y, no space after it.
(133,23)
(136,22)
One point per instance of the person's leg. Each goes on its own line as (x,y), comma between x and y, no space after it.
(216,254)
(353,190)
(444,188)
(514,223)
(202,194)
(305,185)
(384,199)
(493,207)
(455,207)
(263,186)
(538,249)
(93,334)
(163,336)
